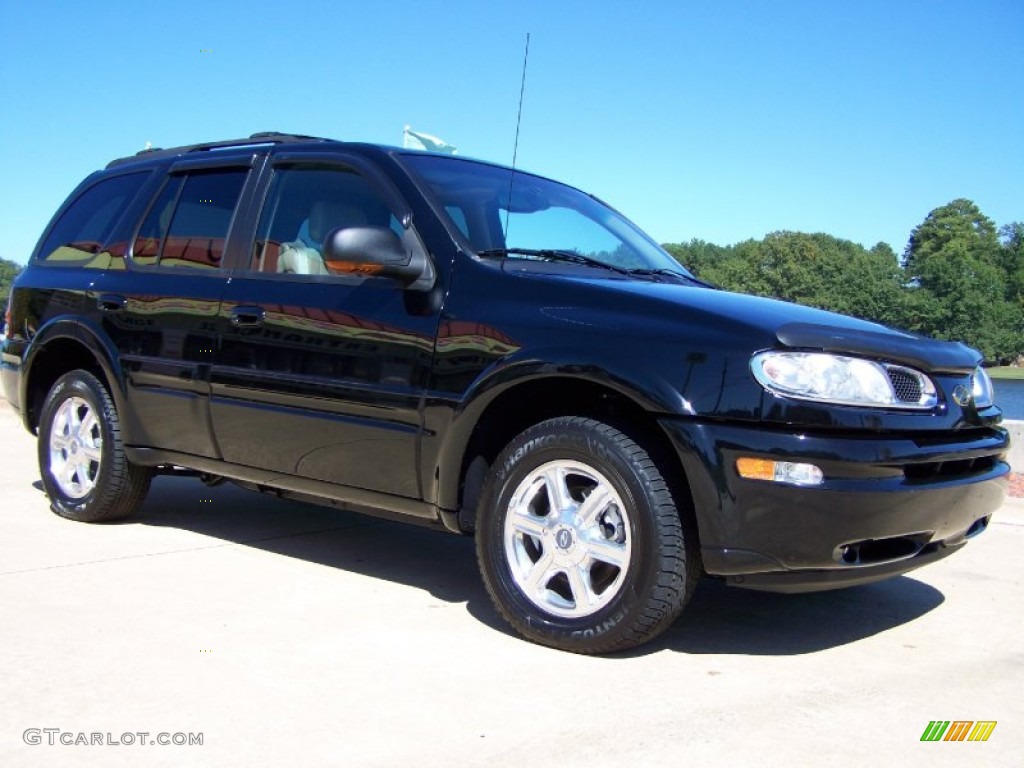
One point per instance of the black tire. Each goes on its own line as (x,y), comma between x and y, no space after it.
(527,550)
(82,461)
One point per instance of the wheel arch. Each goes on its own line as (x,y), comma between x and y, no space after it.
(488,422)
(62,345)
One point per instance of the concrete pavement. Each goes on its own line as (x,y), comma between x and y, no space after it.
(288,634)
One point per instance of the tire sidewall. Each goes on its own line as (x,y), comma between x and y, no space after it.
(532,449)
(70,385)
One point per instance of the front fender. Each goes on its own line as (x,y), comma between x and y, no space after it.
(639,384)
(651,387)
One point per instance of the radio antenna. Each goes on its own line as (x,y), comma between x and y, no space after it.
(515,145)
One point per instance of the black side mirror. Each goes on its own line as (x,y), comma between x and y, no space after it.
(372,251)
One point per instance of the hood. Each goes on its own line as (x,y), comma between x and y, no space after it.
(775,322)
(921,352)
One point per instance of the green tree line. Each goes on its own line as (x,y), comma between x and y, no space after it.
(958,278)
(8,271)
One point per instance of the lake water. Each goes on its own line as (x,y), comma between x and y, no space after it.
(1010,397)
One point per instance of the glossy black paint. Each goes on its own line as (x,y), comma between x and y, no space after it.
(363,392)
(165,345)
(876,487)
(326,387)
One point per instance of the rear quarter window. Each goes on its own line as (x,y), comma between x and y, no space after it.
(80,236)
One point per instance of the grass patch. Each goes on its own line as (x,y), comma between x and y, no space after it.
(1006,372)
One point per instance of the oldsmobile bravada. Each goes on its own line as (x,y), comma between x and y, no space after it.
(489,352)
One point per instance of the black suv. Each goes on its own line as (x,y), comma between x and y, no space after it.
(486,351)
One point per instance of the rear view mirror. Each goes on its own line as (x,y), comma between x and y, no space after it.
(370,251)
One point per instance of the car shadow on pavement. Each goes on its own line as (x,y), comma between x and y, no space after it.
(437,562)
(719,619)
(722,619)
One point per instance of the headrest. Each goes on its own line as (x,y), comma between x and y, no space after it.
(326,215)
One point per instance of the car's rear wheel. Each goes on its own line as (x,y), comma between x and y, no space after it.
(579,539)
(82,461)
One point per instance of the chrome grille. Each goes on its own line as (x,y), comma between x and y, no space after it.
(912,389)
(906,385)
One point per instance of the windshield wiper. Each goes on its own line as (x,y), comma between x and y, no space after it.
(552,254)
(669,273)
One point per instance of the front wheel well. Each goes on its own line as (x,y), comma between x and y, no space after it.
(51,362)
(532,402)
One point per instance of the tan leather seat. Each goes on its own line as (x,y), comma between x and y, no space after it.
(324,215)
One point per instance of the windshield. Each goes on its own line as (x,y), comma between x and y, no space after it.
(516,214)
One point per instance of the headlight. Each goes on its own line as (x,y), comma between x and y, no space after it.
(981,388)
(843,380)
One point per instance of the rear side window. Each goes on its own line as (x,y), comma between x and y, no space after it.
(189,221)
(81,233)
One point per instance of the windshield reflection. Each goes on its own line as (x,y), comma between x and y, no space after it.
(519,215)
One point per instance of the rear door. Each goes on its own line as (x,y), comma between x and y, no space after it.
(161,312)
(320,374)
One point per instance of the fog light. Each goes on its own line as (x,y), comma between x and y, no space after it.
(779,471)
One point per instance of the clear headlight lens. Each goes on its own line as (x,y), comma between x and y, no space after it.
(981,388)
(843,380)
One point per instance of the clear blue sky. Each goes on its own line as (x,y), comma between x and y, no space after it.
(714,120)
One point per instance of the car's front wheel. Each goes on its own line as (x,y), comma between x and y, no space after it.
(579,539)
(82,461)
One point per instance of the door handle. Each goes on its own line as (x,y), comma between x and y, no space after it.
(248,317)
(111,302)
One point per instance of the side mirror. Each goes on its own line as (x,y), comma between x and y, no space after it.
(371,251)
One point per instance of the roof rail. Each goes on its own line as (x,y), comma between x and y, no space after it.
(284,137)
(263,137)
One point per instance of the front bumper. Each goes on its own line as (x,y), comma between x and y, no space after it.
(888,504)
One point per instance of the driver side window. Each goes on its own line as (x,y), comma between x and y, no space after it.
(304,204)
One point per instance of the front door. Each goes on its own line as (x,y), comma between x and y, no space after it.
(320,374)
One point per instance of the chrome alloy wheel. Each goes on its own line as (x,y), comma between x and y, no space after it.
(567,539)
(76,448)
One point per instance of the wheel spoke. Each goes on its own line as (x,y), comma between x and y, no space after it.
(89,423)
(92,453)
(525,501)
(579,584)
(595,503)
(540,574)
(85,477)
(61,423)
(59,441)
(74,419)
(530,525)
(58,467)
(610,552)
(79,477)
(68,474)
(558,491)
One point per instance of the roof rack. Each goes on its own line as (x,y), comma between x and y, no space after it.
(256,139)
